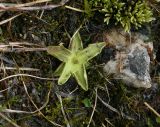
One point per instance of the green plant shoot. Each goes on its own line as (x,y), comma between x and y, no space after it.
(74,59)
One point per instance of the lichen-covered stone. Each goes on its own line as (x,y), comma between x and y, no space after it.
(132,61)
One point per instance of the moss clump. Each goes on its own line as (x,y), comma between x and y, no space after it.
(125,12)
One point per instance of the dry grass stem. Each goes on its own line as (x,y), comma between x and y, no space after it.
(42,12)
(27,6)
(22,5)
(74,9)
(62,109)
(108,106)
(21,47)
(106,88)
(5,89)
(26,112)
(38,109)
(9,19)
(94,108)
(20,69)
(16,43)
(8,120)
(152,109)
(103,125)
(26,75)
(109,122)
(31,3)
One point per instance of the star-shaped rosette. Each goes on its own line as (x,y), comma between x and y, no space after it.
(74,59)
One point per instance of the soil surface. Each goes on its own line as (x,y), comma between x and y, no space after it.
(29,93)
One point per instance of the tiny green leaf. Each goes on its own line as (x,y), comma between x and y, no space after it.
(87,103)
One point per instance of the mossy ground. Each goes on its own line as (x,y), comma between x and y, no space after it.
(127,104)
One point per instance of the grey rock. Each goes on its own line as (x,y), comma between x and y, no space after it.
(131,64)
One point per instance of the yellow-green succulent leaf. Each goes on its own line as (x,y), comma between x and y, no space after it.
(65,75)
(59,70)
(81,77)
(60,52)
(75,59)
(76,42)
(91,51)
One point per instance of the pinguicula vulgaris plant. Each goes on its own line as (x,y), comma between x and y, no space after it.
(74,59)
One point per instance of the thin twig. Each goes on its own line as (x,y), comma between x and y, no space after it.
(62,109)
(27,6)
(109,106)
(74,9)
(40,17)
(16,43)
(26,75)
(20,69)
(106,85)
(103,125)
(22,49)
(26,112)
(153,110)
(7,119)
(19,111)
(94,108)
(45,7)
(109,122)
(23,43)
(9,19)
(3,58)
(55,124)
(5,89)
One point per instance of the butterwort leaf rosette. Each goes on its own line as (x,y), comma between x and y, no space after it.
(74,59)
